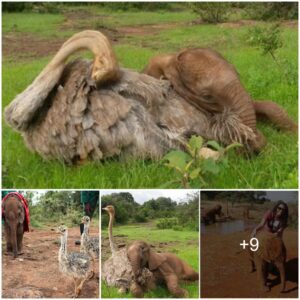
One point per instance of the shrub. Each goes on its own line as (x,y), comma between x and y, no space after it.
(166,223)
(211,12)
(140,217)
(272,10)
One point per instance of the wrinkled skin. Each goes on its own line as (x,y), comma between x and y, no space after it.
(271,250)
(205,79)
(166,267)
(210,215)
(14,215)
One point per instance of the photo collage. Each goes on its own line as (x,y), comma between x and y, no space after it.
(149,150)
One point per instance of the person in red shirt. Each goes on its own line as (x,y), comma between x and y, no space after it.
(274,221)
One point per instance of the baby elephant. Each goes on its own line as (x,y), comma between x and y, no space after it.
(210,215)
(15,213)
(166,267)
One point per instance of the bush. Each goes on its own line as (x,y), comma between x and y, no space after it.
(167,223)
(211,12)
(273,10)
(140,217)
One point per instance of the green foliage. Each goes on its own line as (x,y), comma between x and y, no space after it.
(268,39)
(124,204)
(177,228)
(166,223)
(184,213)
(191,167)
(272,10)
(211,12)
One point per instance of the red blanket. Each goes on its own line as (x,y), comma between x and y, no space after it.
(25,205)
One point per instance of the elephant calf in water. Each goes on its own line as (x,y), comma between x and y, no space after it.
(166,267)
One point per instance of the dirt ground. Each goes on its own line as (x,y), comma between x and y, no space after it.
(35,274)
(225,267)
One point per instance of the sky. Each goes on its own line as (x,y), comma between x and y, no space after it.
(286,196)
(140,196)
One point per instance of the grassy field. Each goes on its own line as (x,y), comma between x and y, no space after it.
(183,243)
(274,167)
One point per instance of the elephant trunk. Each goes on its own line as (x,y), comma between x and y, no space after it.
(135,264)
(241,103)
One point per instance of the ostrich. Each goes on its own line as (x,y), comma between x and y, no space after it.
(117,270)
(94,110)
(89,245)
(74,264)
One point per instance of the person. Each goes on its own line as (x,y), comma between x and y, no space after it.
(274,220)
(89,200)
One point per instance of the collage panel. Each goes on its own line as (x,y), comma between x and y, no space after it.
(50,244)
(143,119)
(149,243)
(249,244)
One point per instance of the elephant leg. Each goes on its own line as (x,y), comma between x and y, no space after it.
(13,230)
(174,288)
(8,239)
(281,268)
(190,274)
(20,239)
(261,274)
(136,290)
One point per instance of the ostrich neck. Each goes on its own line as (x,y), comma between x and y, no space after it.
(85,234)
(63,246)
(113,246)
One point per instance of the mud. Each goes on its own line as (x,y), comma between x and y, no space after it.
(35,274)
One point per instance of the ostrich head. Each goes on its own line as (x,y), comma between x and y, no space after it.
(86,220)
(62,230)
(110,209)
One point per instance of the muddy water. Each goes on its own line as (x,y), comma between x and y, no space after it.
(225,227)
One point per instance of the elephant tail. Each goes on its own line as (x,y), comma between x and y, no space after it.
(268,110)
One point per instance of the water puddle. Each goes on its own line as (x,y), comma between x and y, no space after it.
(225,227)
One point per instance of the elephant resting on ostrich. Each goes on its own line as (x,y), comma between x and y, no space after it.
(94,110)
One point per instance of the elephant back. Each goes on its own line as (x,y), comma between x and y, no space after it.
(271,248)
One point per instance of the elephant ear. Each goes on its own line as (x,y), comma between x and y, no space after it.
(155,260)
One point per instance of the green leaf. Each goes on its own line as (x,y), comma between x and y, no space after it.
(232,146)
(210,166)
(195,173)
(176,159)
(214,145)
(195,143)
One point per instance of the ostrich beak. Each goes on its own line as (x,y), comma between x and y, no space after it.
(105,208)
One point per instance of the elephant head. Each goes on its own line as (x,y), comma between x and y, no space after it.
(14,215)
(142,256)
(205,79)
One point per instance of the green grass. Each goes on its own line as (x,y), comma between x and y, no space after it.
(274,167)
(183,243)
(44,25)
